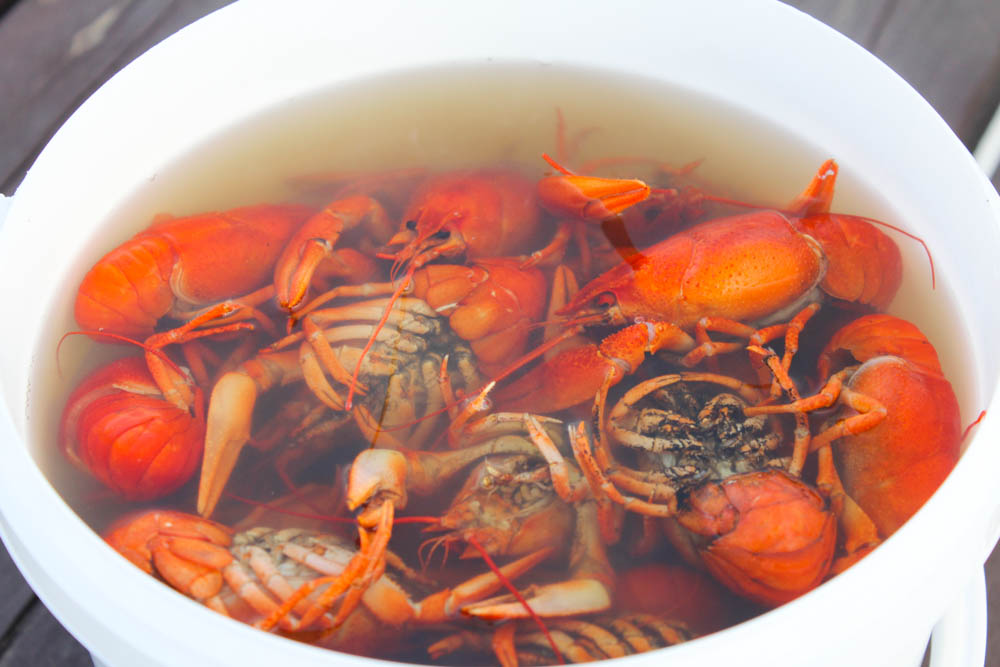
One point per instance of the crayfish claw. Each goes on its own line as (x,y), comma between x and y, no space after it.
(574,596)
(377,474)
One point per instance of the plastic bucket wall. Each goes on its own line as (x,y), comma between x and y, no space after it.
(256,54)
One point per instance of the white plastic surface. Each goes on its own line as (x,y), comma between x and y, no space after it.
(987,152)
(256,54)
(960,637)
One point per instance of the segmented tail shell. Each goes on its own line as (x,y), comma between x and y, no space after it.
(875,336)
(117,426)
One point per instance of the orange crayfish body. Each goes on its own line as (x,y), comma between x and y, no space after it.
(476,214)
(117,426)
(748,268)
(184,262)
(767,536)
(479,213)
(490,303)
(892,468)
(745,270)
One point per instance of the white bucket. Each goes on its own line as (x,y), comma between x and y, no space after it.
(755,55)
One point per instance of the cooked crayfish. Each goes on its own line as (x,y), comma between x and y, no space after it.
(380,402)
(291,578)
(484,213)
(173,268)
(478,214)
(118,426)
(490,303)
(705,461)
(897,433)
(730,275)
(400,376)
(524,494)
(521,496)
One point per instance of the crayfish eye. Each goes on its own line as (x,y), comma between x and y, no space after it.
(605,300)
(411,225)
(441,236)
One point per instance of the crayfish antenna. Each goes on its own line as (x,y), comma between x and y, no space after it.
(173,382)
(965,433)
(517,595)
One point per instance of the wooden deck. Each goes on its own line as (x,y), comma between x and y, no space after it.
(54,53)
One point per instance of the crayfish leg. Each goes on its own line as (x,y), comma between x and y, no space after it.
(857,531)
(364,568)
(574,596)
(316,240)
(445,604)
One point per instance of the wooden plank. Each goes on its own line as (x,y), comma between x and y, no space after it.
(178,15)
(993,605)
(39,640)
(947,49)
(5,5)
(950,52)
(16,593)
(54,53)
(861,20)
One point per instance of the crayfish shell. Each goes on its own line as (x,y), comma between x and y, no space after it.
(769,536)
(117,426)
(892,469)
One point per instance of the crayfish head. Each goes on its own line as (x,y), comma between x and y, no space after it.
(507,506)
(434,220)
(421,241)
(610,299)
(595,309)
